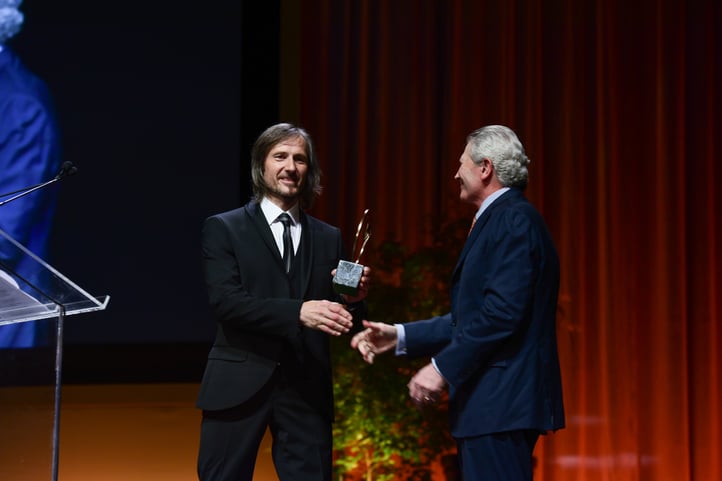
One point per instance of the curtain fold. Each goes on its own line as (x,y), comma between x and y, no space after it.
(618,107)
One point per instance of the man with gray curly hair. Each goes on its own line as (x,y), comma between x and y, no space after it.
(29,155)
(501,146)
(496,350)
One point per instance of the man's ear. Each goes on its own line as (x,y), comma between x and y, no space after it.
(487,169)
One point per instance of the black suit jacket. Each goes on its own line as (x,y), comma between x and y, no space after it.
(257,306)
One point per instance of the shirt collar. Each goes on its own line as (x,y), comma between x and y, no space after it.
(271,211)
(487,202)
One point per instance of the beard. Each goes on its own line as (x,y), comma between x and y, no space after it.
(287,193)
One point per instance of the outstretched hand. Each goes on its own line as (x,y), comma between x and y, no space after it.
(329,317)
(377,338)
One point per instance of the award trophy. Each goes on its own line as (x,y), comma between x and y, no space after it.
(348,274)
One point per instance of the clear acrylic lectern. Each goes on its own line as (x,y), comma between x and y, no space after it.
(30,291)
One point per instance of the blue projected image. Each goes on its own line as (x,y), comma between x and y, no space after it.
(29,155)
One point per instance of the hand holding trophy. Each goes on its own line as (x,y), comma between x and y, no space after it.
(348,274)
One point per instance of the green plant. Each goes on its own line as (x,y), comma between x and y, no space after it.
(379,435)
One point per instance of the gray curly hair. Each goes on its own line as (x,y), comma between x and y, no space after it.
(11,19)
(502,147)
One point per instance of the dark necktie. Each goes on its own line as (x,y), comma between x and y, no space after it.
(287,242)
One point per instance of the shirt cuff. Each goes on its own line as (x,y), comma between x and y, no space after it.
(400,340)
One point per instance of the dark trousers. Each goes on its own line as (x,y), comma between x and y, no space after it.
(503,456)
(301,437)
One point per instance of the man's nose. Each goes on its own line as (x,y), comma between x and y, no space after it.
(290,164)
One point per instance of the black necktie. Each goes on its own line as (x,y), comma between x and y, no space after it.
(287,242)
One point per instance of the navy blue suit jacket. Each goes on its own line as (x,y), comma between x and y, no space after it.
(257,312)
(497,347)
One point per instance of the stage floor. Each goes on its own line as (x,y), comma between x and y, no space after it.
(108,432)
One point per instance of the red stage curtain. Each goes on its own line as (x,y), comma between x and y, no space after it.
(619,108)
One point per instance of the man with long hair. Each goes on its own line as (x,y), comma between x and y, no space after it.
(268,270)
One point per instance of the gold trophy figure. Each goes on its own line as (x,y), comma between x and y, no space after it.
(348,274)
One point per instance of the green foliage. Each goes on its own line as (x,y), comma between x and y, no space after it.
(379,434)
(377,428)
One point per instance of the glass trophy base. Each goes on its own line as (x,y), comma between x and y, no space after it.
(347,278)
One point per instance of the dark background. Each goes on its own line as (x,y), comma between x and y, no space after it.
(159,103)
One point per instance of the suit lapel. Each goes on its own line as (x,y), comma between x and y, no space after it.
(305,255)
(479,226)
(258,220)
(305,248)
